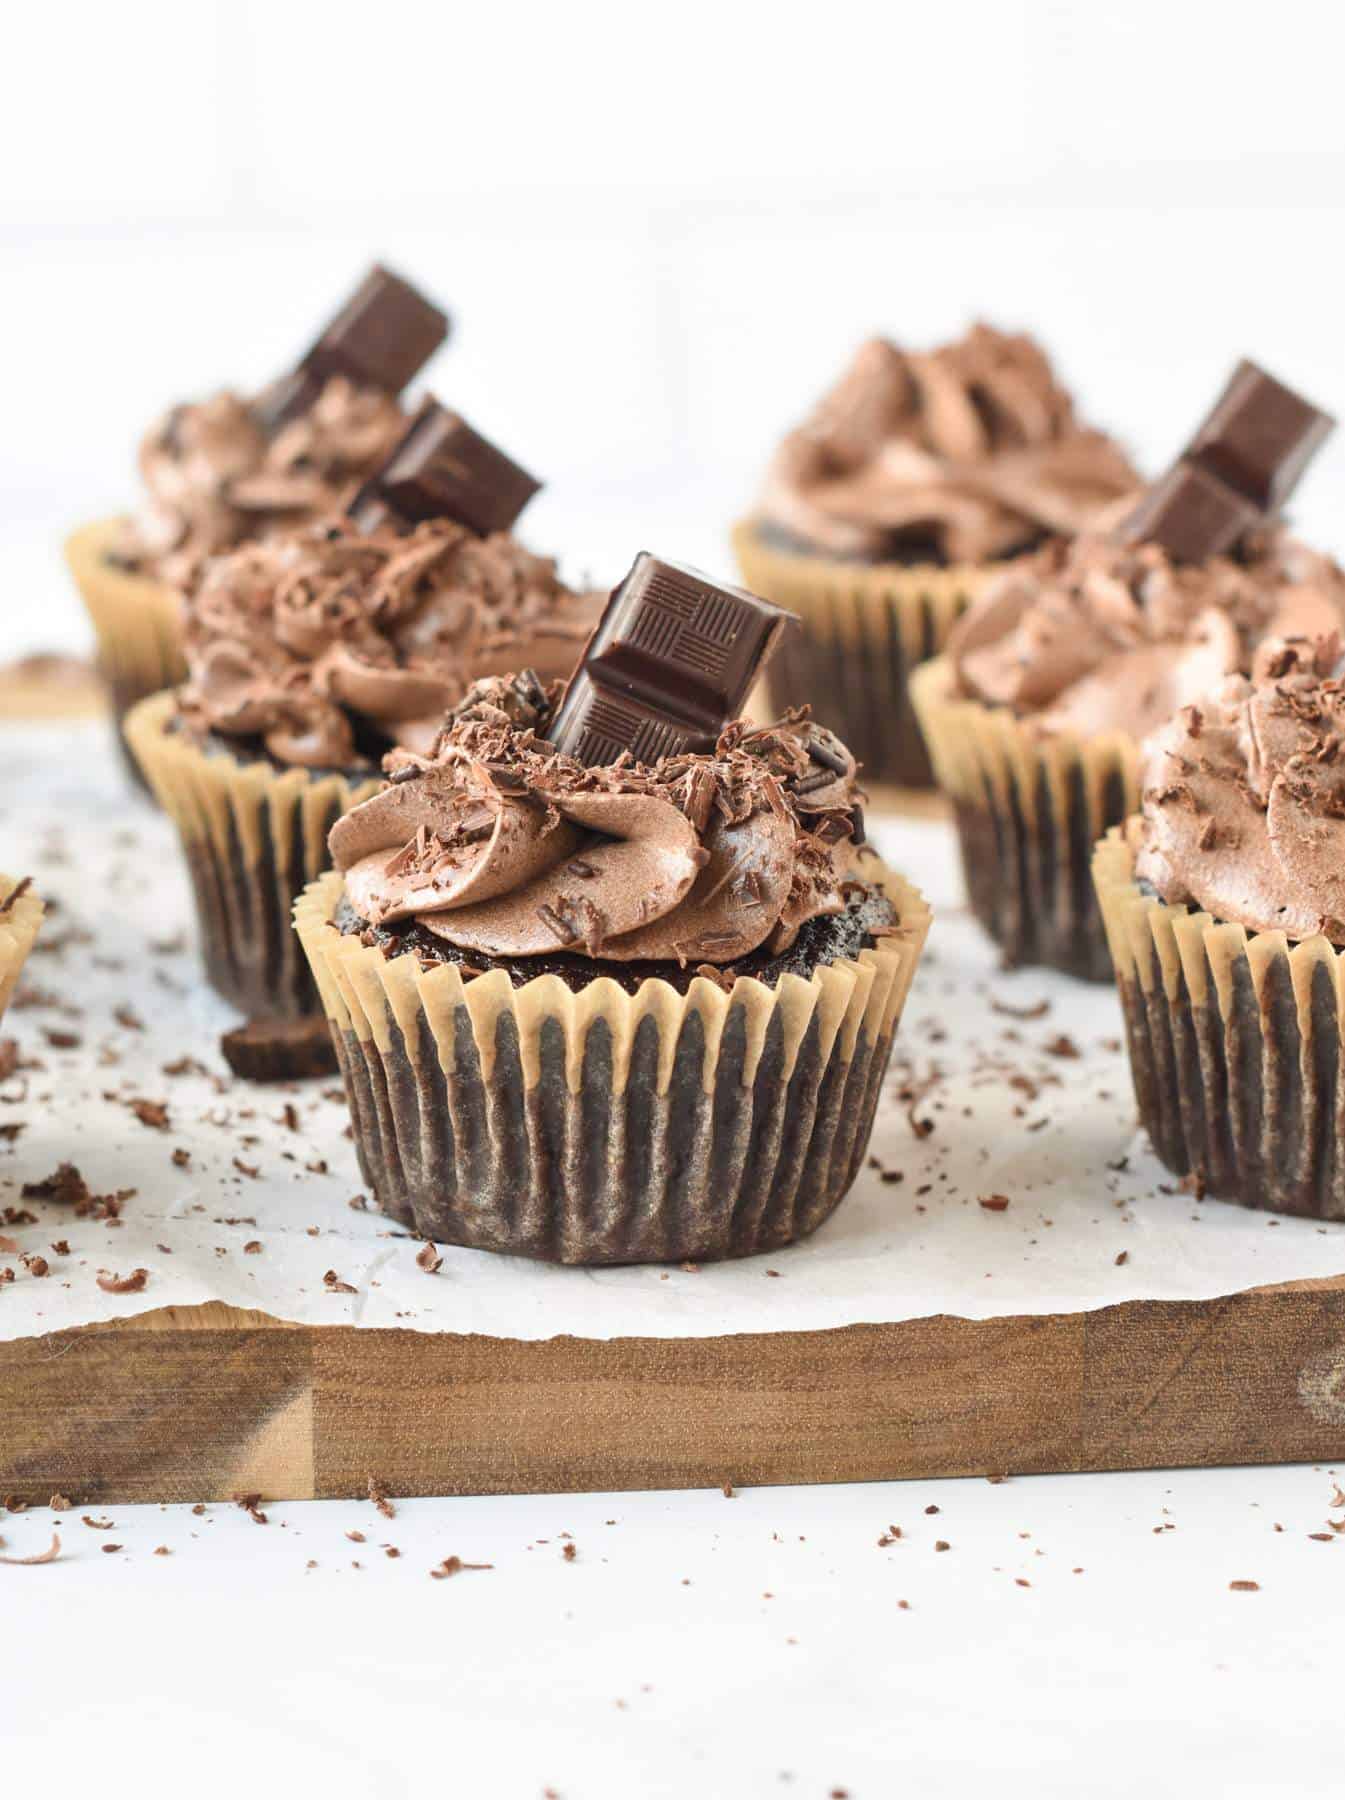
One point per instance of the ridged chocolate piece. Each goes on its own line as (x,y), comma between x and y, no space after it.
(1192,514)
(673,659)
(442,469)
(1243,463)
(1259,437)
(280,1049)
(384,334)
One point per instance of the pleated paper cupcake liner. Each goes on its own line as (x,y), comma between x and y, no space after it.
(18,928)
(866,628)
(136,620)
(1235,1045)
(1028,808)
(601,1126)
(253,836)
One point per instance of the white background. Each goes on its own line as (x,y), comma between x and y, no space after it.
(661,231)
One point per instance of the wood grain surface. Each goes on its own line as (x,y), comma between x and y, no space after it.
(205,1403)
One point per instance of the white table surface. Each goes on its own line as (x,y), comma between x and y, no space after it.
(695,1645)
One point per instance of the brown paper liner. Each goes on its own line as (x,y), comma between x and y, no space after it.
(866,628)
(601,1126)
(1235,1044)
(18,928)
(137,620)
(1029,808)
(253,836)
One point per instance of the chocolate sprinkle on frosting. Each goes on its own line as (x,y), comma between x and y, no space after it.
(507,848)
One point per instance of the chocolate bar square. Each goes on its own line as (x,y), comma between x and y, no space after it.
(1259,437)
(383,335)
(674,657)
(1191,513)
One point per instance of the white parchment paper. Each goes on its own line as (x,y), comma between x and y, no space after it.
(1092,1217)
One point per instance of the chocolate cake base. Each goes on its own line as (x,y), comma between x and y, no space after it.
(633,1119)
(823,940)
(1246,1102)
(612,1173)
(252,957)
(862,694)
(864,628)
(253,837)
(1029,879)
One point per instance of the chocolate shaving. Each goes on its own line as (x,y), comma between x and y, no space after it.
(454,1565)
(429,1259)
(123,1284)
(50,1554)
(378,1494)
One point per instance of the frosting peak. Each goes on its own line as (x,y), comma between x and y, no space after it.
(500,844)
(959,454)
(1095,636)
(215,478)
(329,643)
(1244,801)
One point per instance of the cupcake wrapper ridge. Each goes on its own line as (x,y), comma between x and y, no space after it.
(1235,1045)
(602,1126)
(137,621)
(18,928)
(866,628)
(1029,809)
(253,836)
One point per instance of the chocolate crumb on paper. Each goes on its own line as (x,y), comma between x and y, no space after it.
(123,1284)
(50,1554)
(382,1501)
(153,1113)
(454,1565)
(429,1259)
(334,1284)
(993,1202)
(1244,1587)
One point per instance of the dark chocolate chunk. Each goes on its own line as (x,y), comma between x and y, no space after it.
(280,1049)
(1192,514)
(1239,469)
(674,657)
(384,334)
(442,469)
(1259,437)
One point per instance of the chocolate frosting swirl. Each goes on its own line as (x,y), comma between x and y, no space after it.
(960,454)
(501,845)
(1094,636)
(329,643)
(216,480)
(1244,801)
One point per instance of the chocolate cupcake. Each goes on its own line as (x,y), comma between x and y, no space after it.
(596,1009)
(1224,903)
(1035,714)
(883,516)
(20,916)
(233,469)
(311,654)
